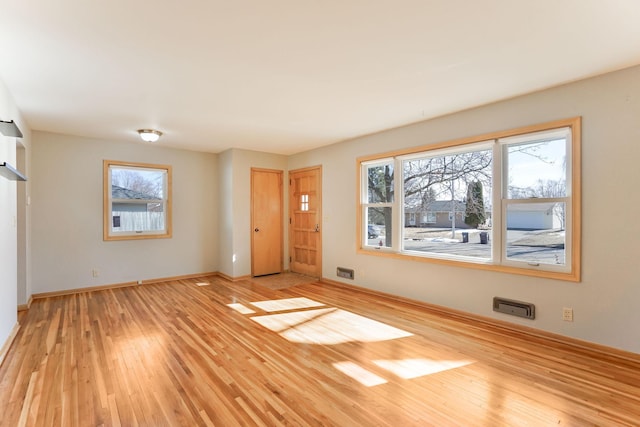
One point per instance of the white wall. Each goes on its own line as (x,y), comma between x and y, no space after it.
(235,246)
(23,161)
(606,302)
(225,213)
(66,206)
(8,244)
(9,218)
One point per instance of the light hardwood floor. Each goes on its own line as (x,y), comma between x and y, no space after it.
(231,354)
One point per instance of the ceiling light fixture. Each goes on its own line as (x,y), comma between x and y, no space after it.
(149,135)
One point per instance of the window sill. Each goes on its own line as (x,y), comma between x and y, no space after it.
(481,265)
(136,236)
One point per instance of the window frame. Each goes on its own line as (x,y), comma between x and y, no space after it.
(506,201)
(366,204)
(476,146)
(108,234)
(570,271)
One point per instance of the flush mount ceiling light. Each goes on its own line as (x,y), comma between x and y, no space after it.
(149,135)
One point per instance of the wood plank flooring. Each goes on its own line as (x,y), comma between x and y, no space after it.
(240,354)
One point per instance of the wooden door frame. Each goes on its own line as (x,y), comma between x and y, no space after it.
(292,204)
(251,224)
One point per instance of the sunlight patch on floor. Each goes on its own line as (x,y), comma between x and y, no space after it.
(141,352)
(414,368)
(329,326)
(286,304)
(358,373)
(241,308)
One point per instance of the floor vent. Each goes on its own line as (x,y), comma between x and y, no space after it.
(515,308)
(347,273)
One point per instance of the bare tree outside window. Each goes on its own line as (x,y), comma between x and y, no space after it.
(446,178)
(141,181)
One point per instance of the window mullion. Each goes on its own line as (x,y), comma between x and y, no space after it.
(398,207)
(498,168)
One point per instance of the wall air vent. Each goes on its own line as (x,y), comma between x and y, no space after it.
(347,273)
(515,308)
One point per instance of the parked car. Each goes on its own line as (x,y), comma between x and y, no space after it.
(372,232)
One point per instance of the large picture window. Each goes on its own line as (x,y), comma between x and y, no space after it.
(508,201)
(137,201)
(449,187)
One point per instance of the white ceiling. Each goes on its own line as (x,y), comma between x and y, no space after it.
(285,76)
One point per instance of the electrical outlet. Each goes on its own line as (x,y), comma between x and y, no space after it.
(139,282)
(95,272)
(567,314)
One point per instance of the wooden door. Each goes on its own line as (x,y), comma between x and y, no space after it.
(305,221)
(266,222)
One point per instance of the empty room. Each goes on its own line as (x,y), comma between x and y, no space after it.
(409,213)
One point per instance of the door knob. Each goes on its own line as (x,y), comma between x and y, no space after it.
(256,229)
(317,228)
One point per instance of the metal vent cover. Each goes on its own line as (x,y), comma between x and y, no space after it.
(515,308)
(347,273)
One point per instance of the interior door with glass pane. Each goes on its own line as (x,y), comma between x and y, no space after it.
(305,225)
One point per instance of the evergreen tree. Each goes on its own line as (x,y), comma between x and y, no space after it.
(475,214)
(381,190)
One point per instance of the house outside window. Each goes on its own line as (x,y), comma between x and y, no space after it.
(137,201)
(429,218)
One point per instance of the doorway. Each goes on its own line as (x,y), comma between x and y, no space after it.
(266,222)
(305,221)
